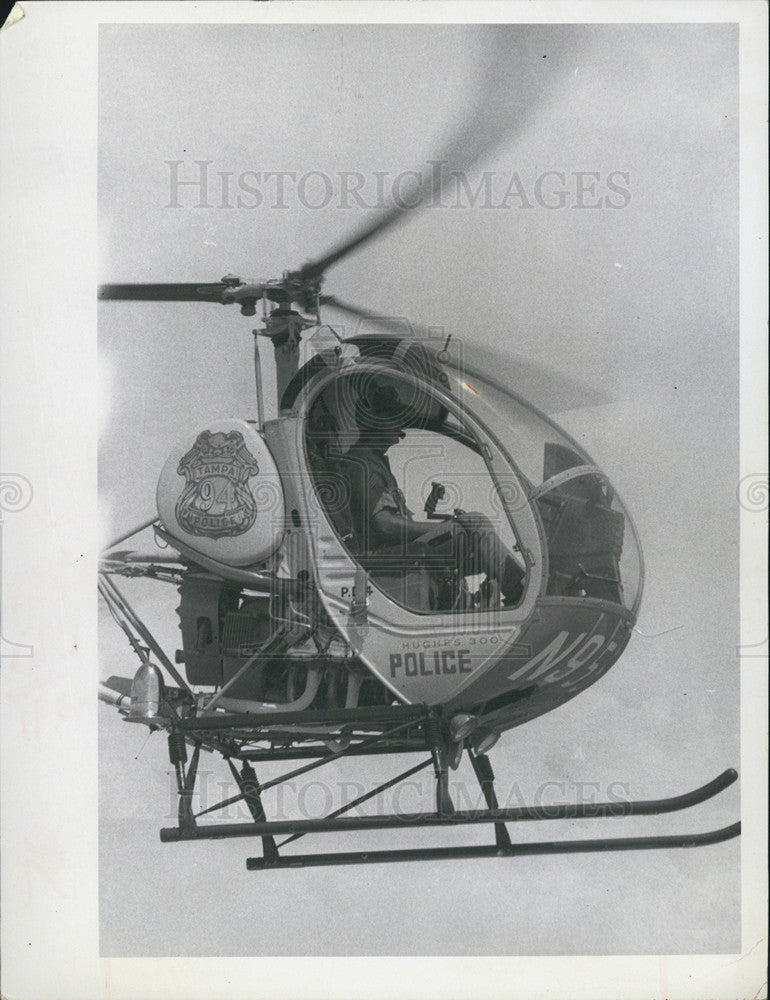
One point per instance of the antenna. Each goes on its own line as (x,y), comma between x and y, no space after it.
(258,382)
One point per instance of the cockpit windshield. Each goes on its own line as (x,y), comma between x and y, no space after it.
(593,550)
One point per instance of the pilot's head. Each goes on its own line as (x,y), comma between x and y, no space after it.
(381,416)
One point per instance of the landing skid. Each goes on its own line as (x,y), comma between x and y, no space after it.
(405,730)
(493,851)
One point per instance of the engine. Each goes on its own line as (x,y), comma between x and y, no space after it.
(225,629)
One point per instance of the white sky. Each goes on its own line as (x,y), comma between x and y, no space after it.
(639,303)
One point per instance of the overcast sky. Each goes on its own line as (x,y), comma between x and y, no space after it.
(636,298)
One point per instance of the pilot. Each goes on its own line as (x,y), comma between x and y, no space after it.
(384,523)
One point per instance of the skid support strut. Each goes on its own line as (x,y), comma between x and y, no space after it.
(486,778)
(438,750)
(178,758)
(249,786)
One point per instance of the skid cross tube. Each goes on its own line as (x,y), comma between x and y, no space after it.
(348,824)
(306,751)
(359,717)
(512,851)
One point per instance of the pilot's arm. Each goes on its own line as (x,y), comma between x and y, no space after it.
(394,527)
(386,521)
(391,519)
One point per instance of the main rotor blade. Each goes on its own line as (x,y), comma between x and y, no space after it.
(549,389)
(392,215)
(164,293)
(524,66)
(399,325)
(543,385)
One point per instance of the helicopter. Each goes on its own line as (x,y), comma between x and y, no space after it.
(310,646)
(303,640)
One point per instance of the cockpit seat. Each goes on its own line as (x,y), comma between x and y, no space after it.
(585,542)
(331,478)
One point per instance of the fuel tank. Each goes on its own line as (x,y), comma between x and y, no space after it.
(220,494)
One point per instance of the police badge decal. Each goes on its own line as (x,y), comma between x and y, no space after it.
(216,500)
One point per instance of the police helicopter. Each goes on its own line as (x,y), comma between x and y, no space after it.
(322,618)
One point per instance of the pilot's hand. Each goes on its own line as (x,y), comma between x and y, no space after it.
(395,527)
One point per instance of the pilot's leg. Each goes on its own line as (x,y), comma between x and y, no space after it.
(487,554)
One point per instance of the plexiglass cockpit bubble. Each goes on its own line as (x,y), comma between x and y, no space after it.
(462,445)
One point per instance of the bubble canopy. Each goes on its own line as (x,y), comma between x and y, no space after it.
(500,450)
